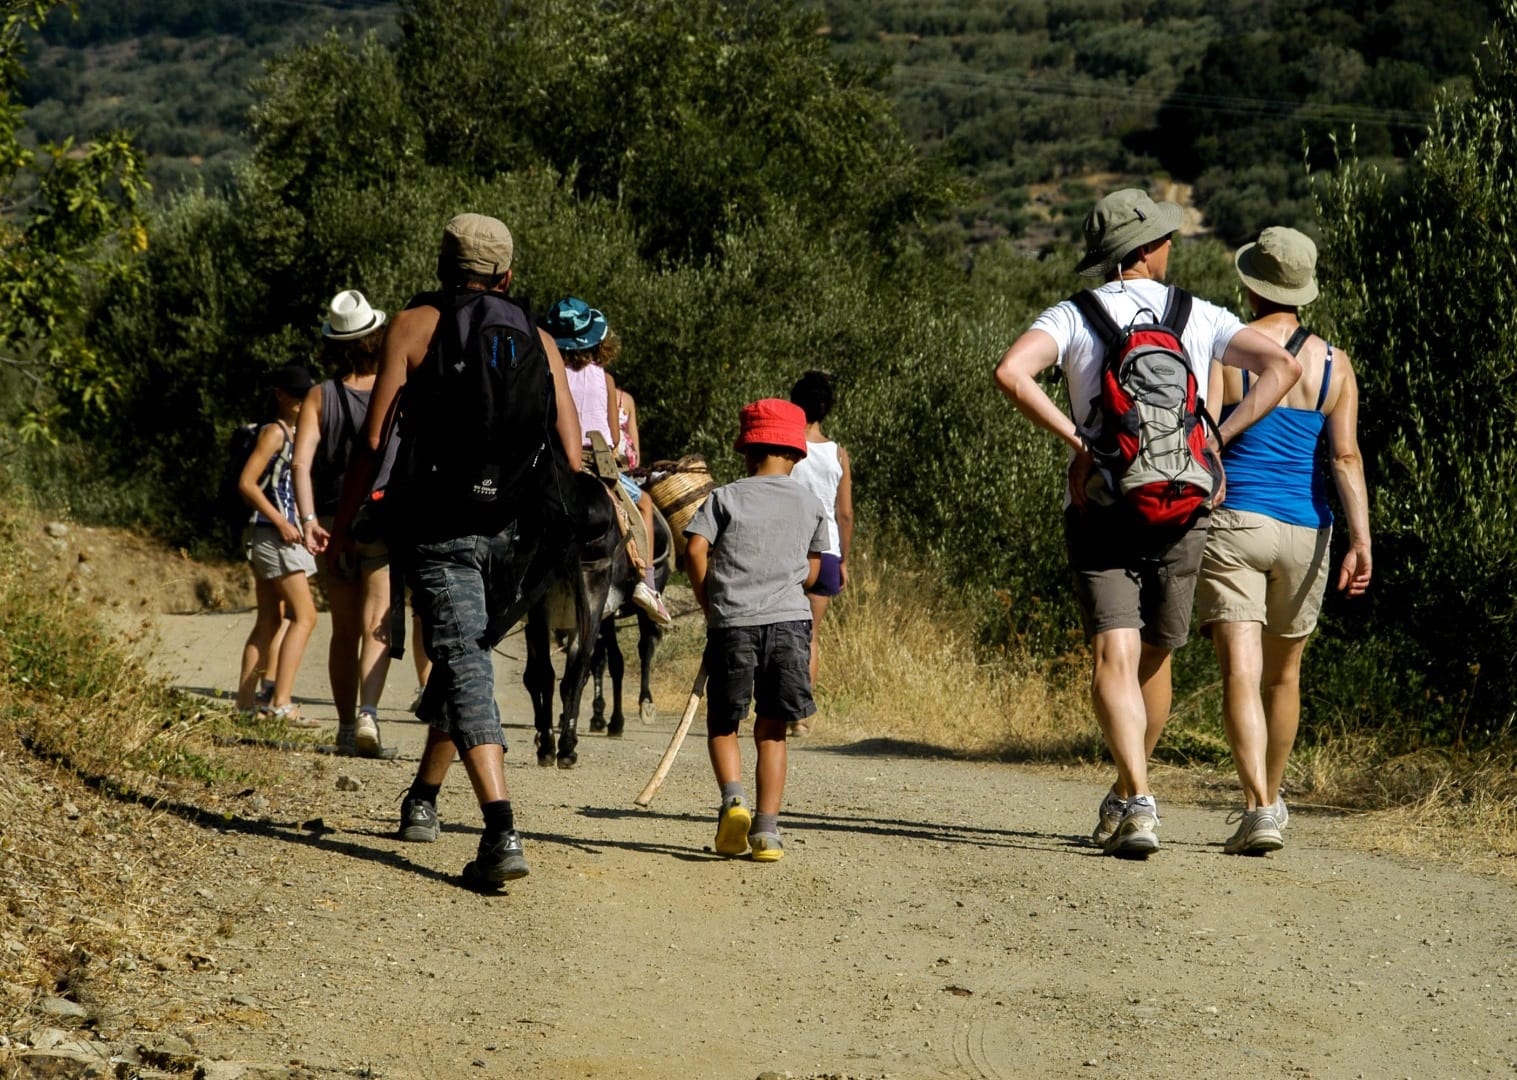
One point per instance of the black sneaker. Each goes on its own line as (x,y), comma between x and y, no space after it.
(500,859)
(418,821)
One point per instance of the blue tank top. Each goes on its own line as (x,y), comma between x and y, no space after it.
(1273,468)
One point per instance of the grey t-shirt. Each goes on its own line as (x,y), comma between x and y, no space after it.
(761,530)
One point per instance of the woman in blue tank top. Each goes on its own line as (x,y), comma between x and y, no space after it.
(1265,569)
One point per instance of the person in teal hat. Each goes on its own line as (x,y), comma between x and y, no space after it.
(588,346)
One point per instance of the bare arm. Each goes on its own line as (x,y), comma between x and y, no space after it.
(270,440)
(633,438)
(1277,372)
(1348,475)
(307,438)
(569,434)
(1016,375)
(697,562)
(843,511)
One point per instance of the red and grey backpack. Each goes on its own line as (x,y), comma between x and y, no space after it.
(1151,419)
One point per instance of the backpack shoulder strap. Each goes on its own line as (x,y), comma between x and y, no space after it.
(347,410)
(1098,317)
(1176,311)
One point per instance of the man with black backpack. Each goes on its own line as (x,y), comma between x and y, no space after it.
(478,505)
(1144,470)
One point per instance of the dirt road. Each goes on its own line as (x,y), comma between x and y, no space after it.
(931,919)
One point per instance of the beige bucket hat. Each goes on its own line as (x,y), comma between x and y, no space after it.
(476,244)
(1280,266)
(1121,223)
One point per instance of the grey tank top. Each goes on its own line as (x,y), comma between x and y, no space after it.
(343,413)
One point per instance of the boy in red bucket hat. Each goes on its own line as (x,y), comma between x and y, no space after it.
(754,548)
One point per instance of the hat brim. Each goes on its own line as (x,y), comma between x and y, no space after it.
(1099,264)
(771,435)
(592,336)
(1246,263)
(334,335)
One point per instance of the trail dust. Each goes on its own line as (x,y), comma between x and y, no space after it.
(931,918)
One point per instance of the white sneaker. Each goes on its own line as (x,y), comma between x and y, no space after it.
(1282,815)
(652,603)
(1258,832)
(366,733)
(1137,834)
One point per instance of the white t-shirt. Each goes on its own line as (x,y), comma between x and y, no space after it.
(1207,334)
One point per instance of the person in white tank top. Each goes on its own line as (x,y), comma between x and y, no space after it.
(826,472)
(588,345)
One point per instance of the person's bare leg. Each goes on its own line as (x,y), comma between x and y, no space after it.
(726,757)
(819,606)
(295,590)
(345,602)
(257,649)
(436,758)
(1282,706)
(486,766)
(769,778)
(271,659)
(1118,699)
(1238,655)
(374,654)
(419,655)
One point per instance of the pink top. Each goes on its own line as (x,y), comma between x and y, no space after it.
(587,387)
(624,422)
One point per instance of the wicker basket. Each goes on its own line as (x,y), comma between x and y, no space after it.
(679,488)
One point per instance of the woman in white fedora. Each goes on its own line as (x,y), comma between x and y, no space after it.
(1265,568)
(357,581)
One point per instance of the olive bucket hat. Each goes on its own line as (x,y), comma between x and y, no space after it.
(1121,223)
(1280,266)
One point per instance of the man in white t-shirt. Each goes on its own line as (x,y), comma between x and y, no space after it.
(1134,582)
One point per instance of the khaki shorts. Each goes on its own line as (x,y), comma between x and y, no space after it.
(365,556)
(1258,569)
(273,558)
(1130,577)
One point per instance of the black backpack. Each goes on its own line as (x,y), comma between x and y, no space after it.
(232,509)
(479,445)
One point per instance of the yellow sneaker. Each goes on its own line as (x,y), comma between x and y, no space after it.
(767,847)
(732,827)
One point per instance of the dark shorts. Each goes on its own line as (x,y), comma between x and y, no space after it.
(1130,577)
(449,581)
(767,666)
(829,581)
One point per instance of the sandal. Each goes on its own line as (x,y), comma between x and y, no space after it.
(290,714)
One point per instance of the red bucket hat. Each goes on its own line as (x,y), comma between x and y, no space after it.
(772,422)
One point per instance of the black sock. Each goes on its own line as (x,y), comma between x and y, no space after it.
(426,793)
(498,816)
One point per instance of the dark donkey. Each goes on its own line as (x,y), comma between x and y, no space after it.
(608,651)
(589,591)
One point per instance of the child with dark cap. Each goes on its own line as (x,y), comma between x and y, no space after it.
(754,548)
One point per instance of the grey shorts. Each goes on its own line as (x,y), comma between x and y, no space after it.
(1129,578)
(1258,569)
(449,582)
(363,557)
(767,666)
(273,558)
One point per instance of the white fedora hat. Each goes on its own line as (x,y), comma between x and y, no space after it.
(350,316)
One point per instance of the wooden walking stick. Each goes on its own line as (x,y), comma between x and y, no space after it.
(697,692)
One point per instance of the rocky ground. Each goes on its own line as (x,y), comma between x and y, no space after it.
(932,918)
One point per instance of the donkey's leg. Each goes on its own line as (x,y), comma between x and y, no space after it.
(598,675)
(538,680)
(649,634)
(589,603)
(615,662)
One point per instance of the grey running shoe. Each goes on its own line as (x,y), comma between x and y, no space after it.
(1258,832)
(418,821)
(500,859)
(1137,834)
(1282,815)
(1110,816)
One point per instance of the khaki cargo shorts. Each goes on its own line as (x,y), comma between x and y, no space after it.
(1258,569)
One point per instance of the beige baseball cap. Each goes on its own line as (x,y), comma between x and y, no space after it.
(476,244)
(1280,266)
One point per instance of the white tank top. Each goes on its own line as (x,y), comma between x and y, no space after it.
(587,387)
(821,472)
